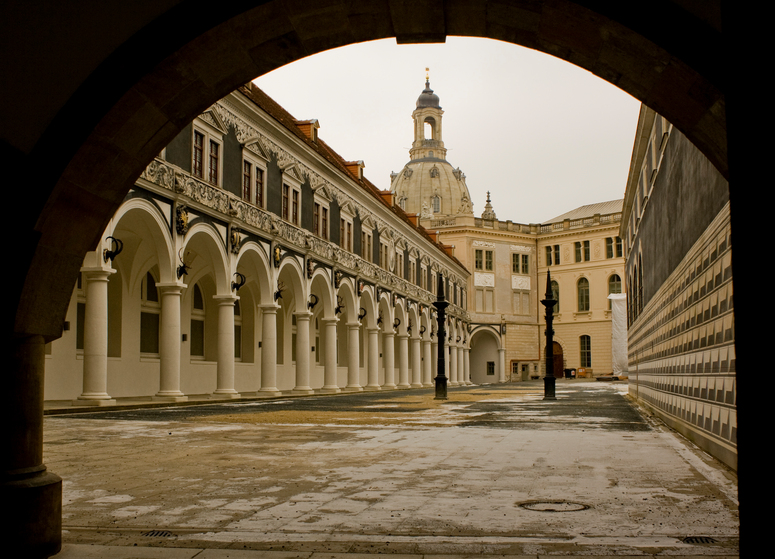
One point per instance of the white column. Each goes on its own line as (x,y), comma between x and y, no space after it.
(225,367)
(373,359)
(416,363)
(353,357)
(502,372)
(461,368)
(329,376)
(403,360)
(388,358)
(95,340)
(467,364)
(169,344)
(453,380)
(434,358)
(302,353)
(427,365)
(269,349)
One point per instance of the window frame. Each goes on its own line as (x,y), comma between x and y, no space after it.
(210,136)
(257,194)
(583,295)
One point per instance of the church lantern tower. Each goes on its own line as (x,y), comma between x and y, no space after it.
(428,184)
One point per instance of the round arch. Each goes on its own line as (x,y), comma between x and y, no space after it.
(484,358)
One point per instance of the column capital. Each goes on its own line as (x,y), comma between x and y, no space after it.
(269,307)
(329,320)
(172,288)
(97,273)
(302,315)
(353,325)
(226,299)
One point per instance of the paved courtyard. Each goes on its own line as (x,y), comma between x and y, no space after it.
(493,470)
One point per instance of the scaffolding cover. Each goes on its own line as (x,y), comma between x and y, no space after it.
(618,332)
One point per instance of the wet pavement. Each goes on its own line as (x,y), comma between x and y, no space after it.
(493,470)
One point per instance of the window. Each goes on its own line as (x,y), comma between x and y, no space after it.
(197,323)
(619,251)
(436,204)
(553,259)
(207,152)
(585,344)
(613,247)
(383,255)
(614,286)
(252,183)
(582,251)
(149,315)
(491,367)
(366,246)
(237,331)
(525,264)
(515,263)
(583,290)
(290,203)
(413,271)
(478,259)
(346,234)
(488,260)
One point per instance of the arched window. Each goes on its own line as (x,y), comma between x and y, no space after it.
(585,345)
(583,291)
(436,204)
(614,286)
(556,297)
(149,315)
(197,323)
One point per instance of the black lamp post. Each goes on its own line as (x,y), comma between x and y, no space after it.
(549,303)
(441,377)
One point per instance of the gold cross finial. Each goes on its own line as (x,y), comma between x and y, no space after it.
(427,74)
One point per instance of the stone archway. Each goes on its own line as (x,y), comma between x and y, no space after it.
(121,95)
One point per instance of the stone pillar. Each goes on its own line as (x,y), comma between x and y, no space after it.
(388,358)
(169,344)
(453,377)
(467,364)
(416,363)
(269,349)
(95,340)
(502,372)
(434,351)
(330,384)
(30,496)
(461,368)
(427,378)
(302,353)
(353,357)
(373,383)
(225,368)
(403,361)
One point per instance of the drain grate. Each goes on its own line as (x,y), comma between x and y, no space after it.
(553,506)
(158,534)
(699,540)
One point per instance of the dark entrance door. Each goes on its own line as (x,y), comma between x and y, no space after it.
(558,361)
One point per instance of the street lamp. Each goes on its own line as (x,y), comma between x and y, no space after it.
(441,377)
(549,302)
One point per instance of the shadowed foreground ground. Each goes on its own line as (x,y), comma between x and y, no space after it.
(494,470)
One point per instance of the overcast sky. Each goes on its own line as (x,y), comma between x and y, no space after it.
(543,136)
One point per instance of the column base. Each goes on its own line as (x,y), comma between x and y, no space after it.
(330,390)
(416,385)
(403,386)
(389,387)
(169,398)
(372,388)
(33,514)
(352,389)
(453,383)
(90,402)
(303,390)
(225,395)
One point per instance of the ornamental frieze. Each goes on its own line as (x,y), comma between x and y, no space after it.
(159,173)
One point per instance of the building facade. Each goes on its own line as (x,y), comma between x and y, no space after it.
(251,259)
(509,263)
(677,233)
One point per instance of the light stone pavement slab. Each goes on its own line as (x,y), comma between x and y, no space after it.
(501,474)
